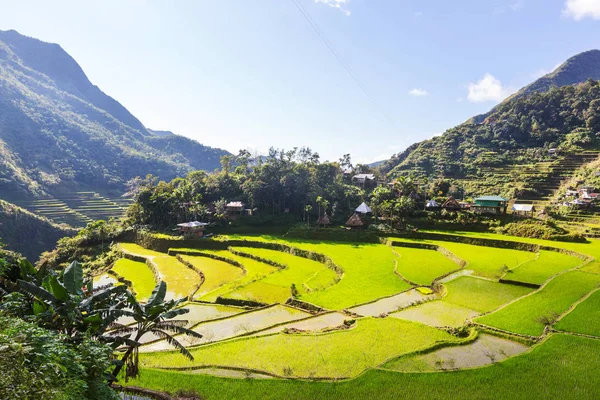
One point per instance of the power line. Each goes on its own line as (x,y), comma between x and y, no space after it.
(342,62)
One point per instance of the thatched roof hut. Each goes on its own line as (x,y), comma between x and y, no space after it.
(451,204)
(354,221)
(324,220)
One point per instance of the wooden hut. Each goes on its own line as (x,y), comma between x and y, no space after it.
(355,221)
(324,220)
(451,204)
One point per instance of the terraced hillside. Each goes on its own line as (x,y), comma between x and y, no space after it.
(373,315)
(77,209)
(535,182)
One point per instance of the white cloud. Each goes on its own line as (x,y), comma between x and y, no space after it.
(418,92)
(418,14)
(579,9)
(341,5)
(487,89)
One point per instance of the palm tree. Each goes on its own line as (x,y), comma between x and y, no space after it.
(153,317)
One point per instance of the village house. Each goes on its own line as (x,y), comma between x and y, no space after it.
(490,205)
(234,209)
(523,210)
(364,180)
(193,229)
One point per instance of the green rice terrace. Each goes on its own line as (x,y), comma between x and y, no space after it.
(301,319)
(77,209)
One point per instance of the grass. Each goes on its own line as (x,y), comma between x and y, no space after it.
(337,354)
(437,313)
(139,274)
(531,314)
(546,265)
(585,318)
(563,367)
(423,266)
(216,273)
(298,270)
(480,294)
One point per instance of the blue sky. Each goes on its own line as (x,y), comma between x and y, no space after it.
(254,74)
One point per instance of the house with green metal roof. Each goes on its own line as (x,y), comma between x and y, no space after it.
(490,205)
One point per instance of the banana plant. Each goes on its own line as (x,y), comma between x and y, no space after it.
(156,316)
(71,306)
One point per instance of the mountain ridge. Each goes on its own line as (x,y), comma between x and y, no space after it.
(576,70)
(59,132)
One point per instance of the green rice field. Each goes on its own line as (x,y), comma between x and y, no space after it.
(380,330)
(585,318)
(77,209)
(547,264)
(423,266)
(337,354)
(531,314)
(138,274)
(480,294)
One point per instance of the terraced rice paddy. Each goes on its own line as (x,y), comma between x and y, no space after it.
(480,294)
(216,273)
(423,266)
(368,274)
(392,303)
(181,280)
(437,313)
(531,314)
(298,271)
(409,335)
(487,349)
(337,354)
(584,319)
(238,325)
(488,262)
(547,264)
(77,209)
(138,274)
(201,312)
(255,271)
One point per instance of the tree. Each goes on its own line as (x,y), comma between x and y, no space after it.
(226,164)
(308,208)
(153,317)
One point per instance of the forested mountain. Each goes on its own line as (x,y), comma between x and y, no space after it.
(561,109)
(28,233)
(59,132)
